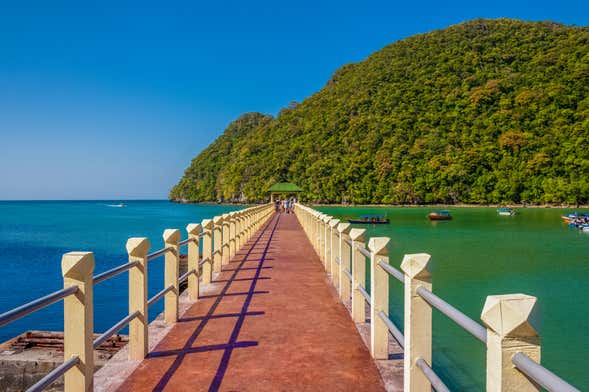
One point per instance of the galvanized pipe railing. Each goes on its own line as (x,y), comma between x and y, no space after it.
(114,329)
(54,375)
(432,377)
(40,303)
(544,377)
(468,324)
(114,272)
(416,278)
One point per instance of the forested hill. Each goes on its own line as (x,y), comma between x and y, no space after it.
(485,111)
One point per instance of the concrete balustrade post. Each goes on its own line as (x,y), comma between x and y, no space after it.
(511,328)
(171,274)
(193,230)
(333,250)
(78,320)
(418,321)
(358,275)
(217,243)
(344,252)
(379,294)
(232,232)
(318,232)
(326,244)
(207,251)
(226,253)
(137,248)
(238,230)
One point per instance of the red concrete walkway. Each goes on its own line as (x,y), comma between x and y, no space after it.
(273,323)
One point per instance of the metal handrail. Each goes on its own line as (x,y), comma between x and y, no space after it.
(186,241)
(540,374)
(397,334)
(477,330)
(208,259)
(114,272)
(364,293)
(348,274)
(185,276)
(337,261)
(53,375)
(158,253)
(392,271)
(35,305)
(348,241)
(114,329)
(431,376)
(159,295)
(364,251)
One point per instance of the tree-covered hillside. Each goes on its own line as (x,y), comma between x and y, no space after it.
(485,111)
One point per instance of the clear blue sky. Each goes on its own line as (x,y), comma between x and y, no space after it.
(112,99)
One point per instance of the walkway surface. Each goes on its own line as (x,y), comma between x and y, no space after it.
(272,323)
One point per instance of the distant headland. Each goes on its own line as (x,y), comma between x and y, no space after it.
(484,112)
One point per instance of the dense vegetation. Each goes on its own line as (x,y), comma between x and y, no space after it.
(487,111)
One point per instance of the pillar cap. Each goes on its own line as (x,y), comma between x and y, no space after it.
(207,224)
(357,234)
(334,222)
(326,218)
(193,228)
(416,265)
(137,246)
(172,236)
(217,220)
(77,265)
(344,228)
(511,315)
(378,245)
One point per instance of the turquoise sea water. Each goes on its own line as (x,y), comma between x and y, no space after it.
(479,253)
(34,236)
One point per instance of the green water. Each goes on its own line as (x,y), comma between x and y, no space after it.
(479,253)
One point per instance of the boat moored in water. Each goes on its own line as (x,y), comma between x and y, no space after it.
(506,211)
(442,215)
(370,220)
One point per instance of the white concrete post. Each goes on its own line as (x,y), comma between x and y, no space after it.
(333,250)
(217,243)
(193,230)
(226,252)
(358,275)
(207,251)
(78,320)
(510,321)
(232,231)
(344,252)
(326,244)
(137,249)
(418,322)
(379,295)
(171,272)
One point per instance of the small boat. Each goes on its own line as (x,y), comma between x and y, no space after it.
(506,211)
(371,220)
(574,218)
(120,205)
(442,215)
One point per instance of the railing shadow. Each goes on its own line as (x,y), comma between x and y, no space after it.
(241,316)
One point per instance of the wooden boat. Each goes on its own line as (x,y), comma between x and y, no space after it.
(506,211)
(439,215)
(370,220)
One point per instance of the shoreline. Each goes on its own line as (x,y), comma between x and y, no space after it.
(434,205)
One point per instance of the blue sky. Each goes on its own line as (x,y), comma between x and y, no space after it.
(111,100)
